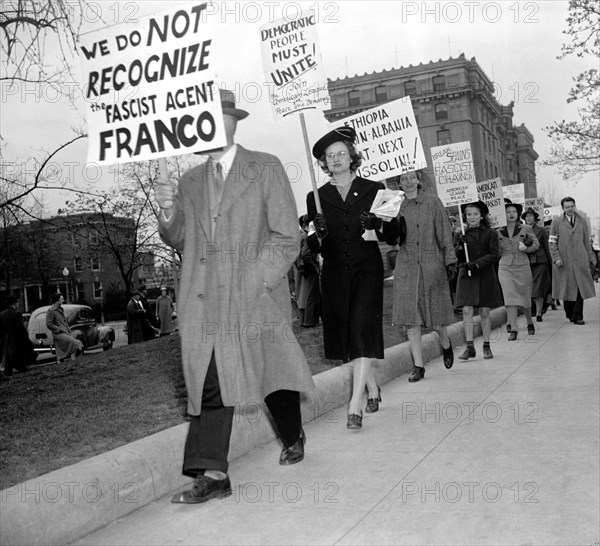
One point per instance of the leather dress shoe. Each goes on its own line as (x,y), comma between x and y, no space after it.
(295,453)
(354,421)
(539,318)
(203,490)
(470,352)
(448,356)
(530,329)
(487,353)
(418,373)
(579,322)
(373,403)
(512,336)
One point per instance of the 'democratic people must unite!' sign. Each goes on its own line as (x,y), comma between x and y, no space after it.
(292,65)
(454,173)
(150,88)
(388,138)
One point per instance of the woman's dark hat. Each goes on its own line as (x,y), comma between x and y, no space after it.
(341,134)
(532,211)
(516,205)
(479,204)
(228,105)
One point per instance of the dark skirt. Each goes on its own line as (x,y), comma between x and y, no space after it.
(481,289)
(541,280)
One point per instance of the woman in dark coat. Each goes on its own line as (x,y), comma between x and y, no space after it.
(352,273)
(136,315)
(479,288)
(540,262)
(16,350)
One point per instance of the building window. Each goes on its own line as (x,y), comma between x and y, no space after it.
(353,98)
(96,263)
(439,83)
(80,291)
(93,236)
(410,87)
(381,93)
(443,137)
(441,111)
(77,263)
(97,290)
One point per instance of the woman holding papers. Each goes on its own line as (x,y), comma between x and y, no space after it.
(352,272)
(425,262)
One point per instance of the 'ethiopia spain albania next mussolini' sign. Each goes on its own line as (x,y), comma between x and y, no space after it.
(150,88)
(388,138)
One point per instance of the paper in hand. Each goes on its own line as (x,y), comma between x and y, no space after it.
(386,204)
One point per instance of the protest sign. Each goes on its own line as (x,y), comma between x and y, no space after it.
(536,203)
(490,192)
(293,66)
(552,212)
(150,89)
(515,192)
(454,173)
(388,138)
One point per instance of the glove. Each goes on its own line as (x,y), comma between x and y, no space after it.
(471,266)
(369,221)
(522,247)
(320,225)
(462,239)
(528,241)
(451,271)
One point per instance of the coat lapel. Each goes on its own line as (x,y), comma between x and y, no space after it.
(359,189)
(329,193)
(236,182)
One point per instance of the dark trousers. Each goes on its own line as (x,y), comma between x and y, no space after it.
(207,443)
(574,309)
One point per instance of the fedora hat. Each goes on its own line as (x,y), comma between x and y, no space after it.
(341,134)
(532,211)
(478,204)
(228,105)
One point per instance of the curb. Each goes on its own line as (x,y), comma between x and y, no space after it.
(69,503)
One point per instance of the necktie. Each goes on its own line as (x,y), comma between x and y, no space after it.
(219,175)
(572,221)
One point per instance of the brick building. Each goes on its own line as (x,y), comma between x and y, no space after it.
(67,254)
(453,101)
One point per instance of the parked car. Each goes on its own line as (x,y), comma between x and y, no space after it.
(82,323)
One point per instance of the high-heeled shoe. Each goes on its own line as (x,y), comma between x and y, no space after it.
(354,421)
(373,403)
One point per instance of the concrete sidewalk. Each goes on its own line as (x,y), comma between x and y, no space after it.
(502,451)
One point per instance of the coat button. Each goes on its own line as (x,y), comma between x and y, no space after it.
(346,254)
(346,242)
(346,214)
(346,227)
(200,296)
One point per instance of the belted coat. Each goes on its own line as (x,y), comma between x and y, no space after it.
(572,245)
(352,273)
(420,279)
(234,296)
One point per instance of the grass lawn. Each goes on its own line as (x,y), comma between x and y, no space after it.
(57,415)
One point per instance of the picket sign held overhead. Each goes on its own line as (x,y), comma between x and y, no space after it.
(490,192)
(294,73)
(150,88)
(388,139)
(515,192)
(454,173)
(536,203)
(455,177)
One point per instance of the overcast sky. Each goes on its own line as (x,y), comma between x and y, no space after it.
(515,43)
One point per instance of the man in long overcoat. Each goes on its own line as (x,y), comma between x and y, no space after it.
(234,218)
(572,256)
(16,350)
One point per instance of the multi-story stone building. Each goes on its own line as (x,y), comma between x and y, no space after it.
(453,101)
(77,255)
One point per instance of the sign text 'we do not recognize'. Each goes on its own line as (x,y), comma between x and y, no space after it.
(150,88)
